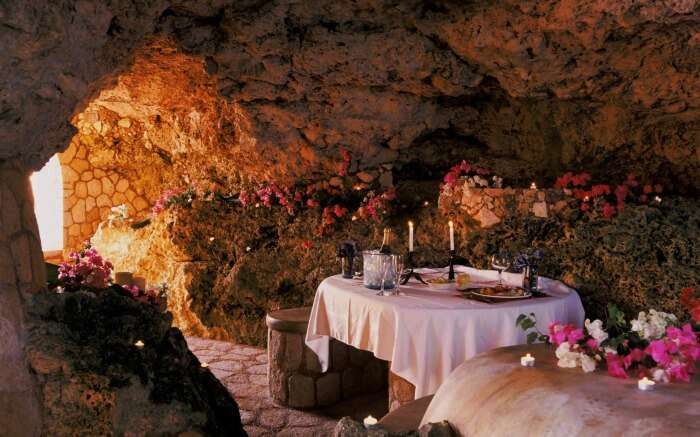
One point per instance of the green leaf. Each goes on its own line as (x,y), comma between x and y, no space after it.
(532,337)
(519,319)
(527,324)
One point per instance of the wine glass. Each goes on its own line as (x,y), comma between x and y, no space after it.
(384,266)
(398,273)
(501,262)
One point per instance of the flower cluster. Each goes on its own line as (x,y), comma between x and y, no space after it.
(152,296)
(691,303)
(270,194)
(654,344)
(475,176)
(171,197)
(604,198)
(329,217)
(86,268)
(375,205)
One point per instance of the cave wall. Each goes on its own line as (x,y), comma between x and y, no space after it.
(21,273)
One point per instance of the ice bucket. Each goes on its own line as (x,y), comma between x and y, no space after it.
(373,261)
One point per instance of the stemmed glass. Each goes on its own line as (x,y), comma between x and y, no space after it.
(390,268)
(501,262)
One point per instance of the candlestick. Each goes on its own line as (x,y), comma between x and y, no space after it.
(369,422)
(527,361)
(451,273)
(410,236)
(645,384)
(452,235)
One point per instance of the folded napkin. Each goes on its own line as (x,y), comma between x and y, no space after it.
(477,276)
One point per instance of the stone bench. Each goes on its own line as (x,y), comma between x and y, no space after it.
(294,372)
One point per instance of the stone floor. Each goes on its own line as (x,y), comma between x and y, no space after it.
(243,370)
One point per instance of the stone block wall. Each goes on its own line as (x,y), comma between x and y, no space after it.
(21,272)
(295,374)
(490,206)
(93,183)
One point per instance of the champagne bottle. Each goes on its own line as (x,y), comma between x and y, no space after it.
(386,242)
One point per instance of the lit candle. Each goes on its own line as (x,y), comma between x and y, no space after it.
(452,235)
(410,236)
(139,344)
(657,199)
(370,422)
(645,384)
(204,364)
(426,203)
(533,186)
(527,361)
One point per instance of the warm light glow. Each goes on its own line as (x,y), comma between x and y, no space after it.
(426,203)
(533,186)
(47,185)
(204,364)
(139,344)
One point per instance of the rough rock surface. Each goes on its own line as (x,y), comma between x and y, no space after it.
(531,88)
(21,271)
(549,400)
(95,381)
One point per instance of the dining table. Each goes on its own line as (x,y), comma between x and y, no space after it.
(426,331)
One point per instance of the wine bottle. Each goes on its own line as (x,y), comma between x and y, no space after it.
(386,242)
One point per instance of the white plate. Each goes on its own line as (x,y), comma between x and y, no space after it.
(450,286)
(524,296)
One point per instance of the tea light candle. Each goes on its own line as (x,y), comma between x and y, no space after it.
(370,422)
(139,344)
(527,361)
(645,384)
(533,186)
(204,364)
(452,235)
(410,236)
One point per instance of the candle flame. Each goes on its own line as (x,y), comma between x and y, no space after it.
(450,223)
(410,224)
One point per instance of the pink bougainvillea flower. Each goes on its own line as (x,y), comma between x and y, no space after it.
(306,244)
(591,343)
(658,351)
(574,335)
(635,355)
(615,366)
(311,203)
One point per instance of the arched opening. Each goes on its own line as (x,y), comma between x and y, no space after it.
(47,186)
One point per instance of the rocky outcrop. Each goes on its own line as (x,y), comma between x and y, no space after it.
(21,272)
(95,380)
(272,90)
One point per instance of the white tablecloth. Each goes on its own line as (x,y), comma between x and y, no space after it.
(425,334)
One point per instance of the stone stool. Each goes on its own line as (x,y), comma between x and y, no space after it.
(294,373)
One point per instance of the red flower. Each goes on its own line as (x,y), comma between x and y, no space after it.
(648,189)
(311,203)
(615,366)
(339,211)
(585,207)
(608,210)
(306,244)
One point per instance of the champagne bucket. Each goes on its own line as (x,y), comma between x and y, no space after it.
(374,264)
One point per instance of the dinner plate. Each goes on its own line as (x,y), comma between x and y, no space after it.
(525,295)
(450,286)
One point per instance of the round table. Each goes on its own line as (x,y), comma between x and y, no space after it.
(424,333)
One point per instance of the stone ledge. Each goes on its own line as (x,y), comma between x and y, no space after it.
(407,417)
(290,320)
